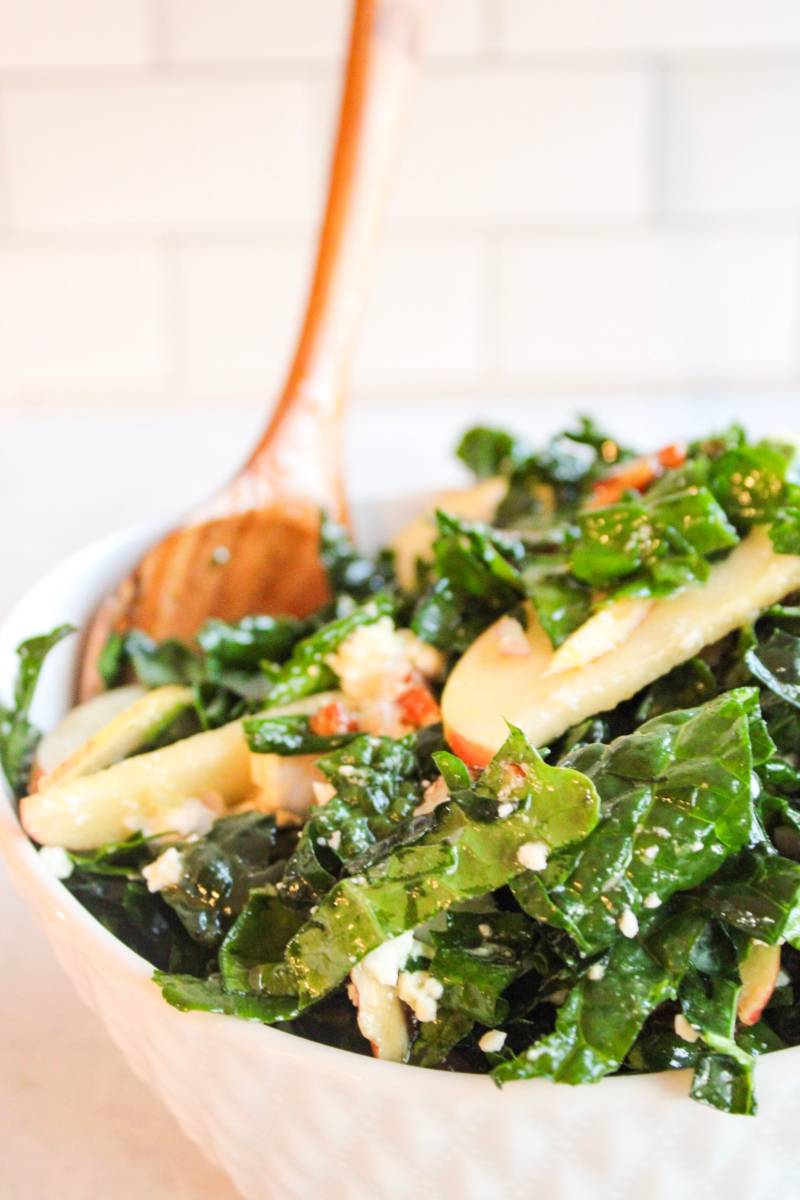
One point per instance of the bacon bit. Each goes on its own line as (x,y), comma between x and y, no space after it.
(511,639)
(637,475)
(332,718)
(418,707)
(672,456)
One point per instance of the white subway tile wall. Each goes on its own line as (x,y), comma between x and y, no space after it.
(597,195)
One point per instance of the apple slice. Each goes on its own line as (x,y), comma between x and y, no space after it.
(381,1016)
(84,813)
(603,631)
(487,688)
(415,540)
(758,971)
(285,783)
(77,727)
(105,730)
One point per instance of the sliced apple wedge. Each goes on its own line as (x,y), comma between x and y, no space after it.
(759,971)
(381,1016)
(415,540)
(103,731)
(285,784)
(487,688)
(84,811)
(139,793)
(78,726)
(603,631)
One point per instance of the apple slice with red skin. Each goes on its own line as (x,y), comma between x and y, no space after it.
(758,971)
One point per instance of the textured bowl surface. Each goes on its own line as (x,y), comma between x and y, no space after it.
(290,1120)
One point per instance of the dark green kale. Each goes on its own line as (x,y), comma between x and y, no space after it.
(377,785)
(18,736)
(349,572)
(219,872)
(676,801)
(108,882)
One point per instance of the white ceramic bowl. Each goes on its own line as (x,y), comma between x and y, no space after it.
(289,1119)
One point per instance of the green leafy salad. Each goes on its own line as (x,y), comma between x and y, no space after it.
(523,799)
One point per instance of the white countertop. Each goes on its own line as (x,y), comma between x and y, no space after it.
(76,1123)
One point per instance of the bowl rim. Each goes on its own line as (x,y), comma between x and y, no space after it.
(21,855)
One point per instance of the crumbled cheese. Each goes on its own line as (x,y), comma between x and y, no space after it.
(650,853)
(596,972)
(323,792)
(504,810)
(375,665)
(165,871)
(220,555)
(485,930)
(381,716)
(628,924)
(57,861)
(533,855)
(387,961)
(423,657)
(684,1030)
(783,979)
(193,818)
(492,1041)
(335,840)
(371,662)
(652,900)
(420,991)
(696,847)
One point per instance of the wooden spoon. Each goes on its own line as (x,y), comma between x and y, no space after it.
(254,547)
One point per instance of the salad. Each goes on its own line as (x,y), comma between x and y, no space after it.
(522,799)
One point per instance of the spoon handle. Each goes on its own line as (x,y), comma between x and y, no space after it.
(300,451)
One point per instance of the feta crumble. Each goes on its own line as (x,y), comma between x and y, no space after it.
(650,853)
(504,810)
(193,818)
(485,930)
(596,972)
(652,901)
(420,991)
(375,665)
(374,661)
(533,855)
(492,1041)
(335,840)
(57,861)
(387,961)
(165,871)
(628,924)
(684,1030)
